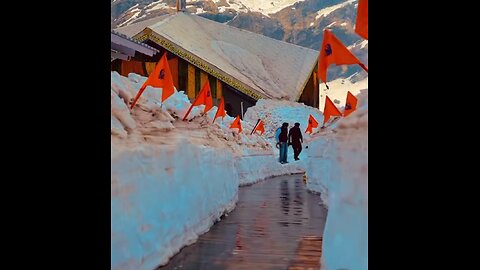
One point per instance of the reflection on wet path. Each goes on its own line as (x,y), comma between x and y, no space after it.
(276,224)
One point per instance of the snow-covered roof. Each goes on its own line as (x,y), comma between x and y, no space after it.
(257,65)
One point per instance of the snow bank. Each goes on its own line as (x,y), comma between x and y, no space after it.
(120,112)
(337,166)
(158,206)
(254,166)
(274,112)
(321,165)
(151,111)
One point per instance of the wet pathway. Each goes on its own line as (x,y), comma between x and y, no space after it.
(276,224)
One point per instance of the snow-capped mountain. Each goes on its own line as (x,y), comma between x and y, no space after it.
(263,6)
(296,21)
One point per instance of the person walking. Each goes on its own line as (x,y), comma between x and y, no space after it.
(295,139)
(283,142)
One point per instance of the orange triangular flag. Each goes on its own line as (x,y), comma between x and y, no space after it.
(330,110)
(334,52)
(236,124)
(160,77)
(260,128)
(220,111)
(350,104)
(361,24)
(312,123)
(204,97)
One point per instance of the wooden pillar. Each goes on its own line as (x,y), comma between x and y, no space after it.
(315,90)
(173,64)
(203,79)
(219,89)
(191,82)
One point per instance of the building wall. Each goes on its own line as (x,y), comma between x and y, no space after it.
(310,92)
(203,79)
(125,67)
(194,79)
(182,75)
(144,68)
(233,99)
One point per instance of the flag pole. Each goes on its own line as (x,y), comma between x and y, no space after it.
(319,95)
(196,98)
(258,121)
(189,109)
(241,106)
(363,66)
(139,93)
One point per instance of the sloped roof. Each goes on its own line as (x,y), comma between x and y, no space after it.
(135,28)
(258,65)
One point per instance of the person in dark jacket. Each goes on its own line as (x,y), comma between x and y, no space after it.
(283,140)
(295,138)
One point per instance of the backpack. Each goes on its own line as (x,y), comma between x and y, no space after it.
(277,134)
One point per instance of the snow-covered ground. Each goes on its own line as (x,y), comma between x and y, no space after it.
(157,5)
(324,12)
(337,167)
(338,89)
(267,7)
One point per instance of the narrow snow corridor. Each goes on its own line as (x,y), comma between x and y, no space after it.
(276,224)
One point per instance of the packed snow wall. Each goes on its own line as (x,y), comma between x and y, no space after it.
(253,167)
(337,167)
(162,199)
